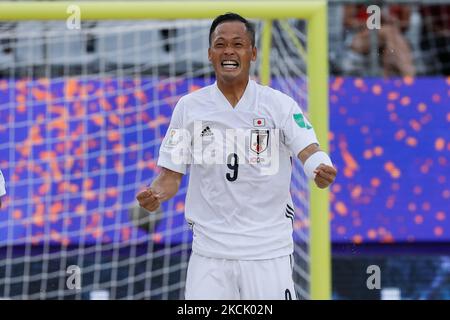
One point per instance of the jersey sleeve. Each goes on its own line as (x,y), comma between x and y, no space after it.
(2,185)
(297,130)
(174,152)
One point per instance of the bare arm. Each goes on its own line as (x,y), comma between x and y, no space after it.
(164,187)
(325,174)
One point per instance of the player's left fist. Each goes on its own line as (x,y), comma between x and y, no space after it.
(325,175)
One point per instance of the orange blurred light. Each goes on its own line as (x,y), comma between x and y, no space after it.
(371,234)
(393,95)
(405,101)
(439,144)
(356,192)
(357,239)
(17,214)
(376,89)
(341,230)
(415,125)
(411,141)
(412,207)
(418,219)
(417,190)
(367,154)
(422,107)
(358,83)
(438,231)
(378,151)
(440,216)
(446,194)
(400,134)
(375,182)
(340,208)
(408,80)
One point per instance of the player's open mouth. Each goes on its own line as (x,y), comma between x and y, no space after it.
(230,64)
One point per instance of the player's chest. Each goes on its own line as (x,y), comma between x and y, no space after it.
(250,136)
(223,119)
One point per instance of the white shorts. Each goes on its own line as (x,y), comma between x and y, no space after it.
(222,279)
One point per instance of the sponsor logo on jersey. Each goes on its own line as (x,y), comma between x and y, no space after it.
(257,160)
(259,140)
(206,132)
(301,121)
(259,122)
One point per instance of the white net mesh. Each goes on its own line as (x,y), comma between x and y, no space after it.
(82,115)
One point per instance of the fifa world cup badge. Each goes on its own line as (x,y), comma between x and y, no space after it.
(173,139)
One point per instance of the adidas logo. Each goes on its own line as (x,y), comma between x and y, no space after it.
(206,132)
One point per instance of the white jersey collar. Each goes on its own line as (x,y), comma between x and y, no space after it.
(243,103)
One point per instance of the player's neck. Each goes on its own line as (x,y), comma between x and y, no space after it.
(233,91)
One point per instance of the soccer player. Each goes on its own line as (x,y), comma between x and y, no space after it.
(241,218)
(2,187)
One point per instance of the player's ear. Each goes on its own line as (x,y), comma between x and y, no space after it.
(209,53)
(254,53)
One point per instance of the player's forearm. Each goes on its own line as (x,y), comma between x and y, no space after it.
(317,166)
(166,185)
(307,152)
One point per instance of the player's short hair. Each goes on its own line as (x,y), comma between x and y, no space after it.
(228,17)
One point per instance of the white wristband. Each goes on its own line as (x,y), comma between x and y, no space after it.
(314,161)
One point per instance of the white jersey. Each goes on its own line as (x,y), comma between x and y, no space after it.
(2,185)
(236,209)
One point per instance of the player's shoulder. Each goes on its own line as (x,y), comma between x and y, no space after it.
(196,96)
(274,97)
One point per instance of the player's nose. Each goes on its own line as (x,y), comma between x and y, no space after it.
(228,50)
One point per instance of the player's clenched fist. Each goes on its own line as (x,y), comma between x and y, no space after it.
(148,200)
(325,175)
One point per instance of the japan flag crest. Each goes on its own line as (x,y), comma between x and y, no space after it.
(259,140)
(259,122)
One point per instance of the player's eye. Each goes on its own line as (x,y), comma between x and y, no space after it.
(219,45)
(238,45)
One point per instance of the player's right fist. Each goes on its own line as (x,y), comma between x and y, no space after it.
(148,200)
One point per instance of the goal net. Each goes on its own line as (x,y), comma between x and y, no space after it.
(83,113)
